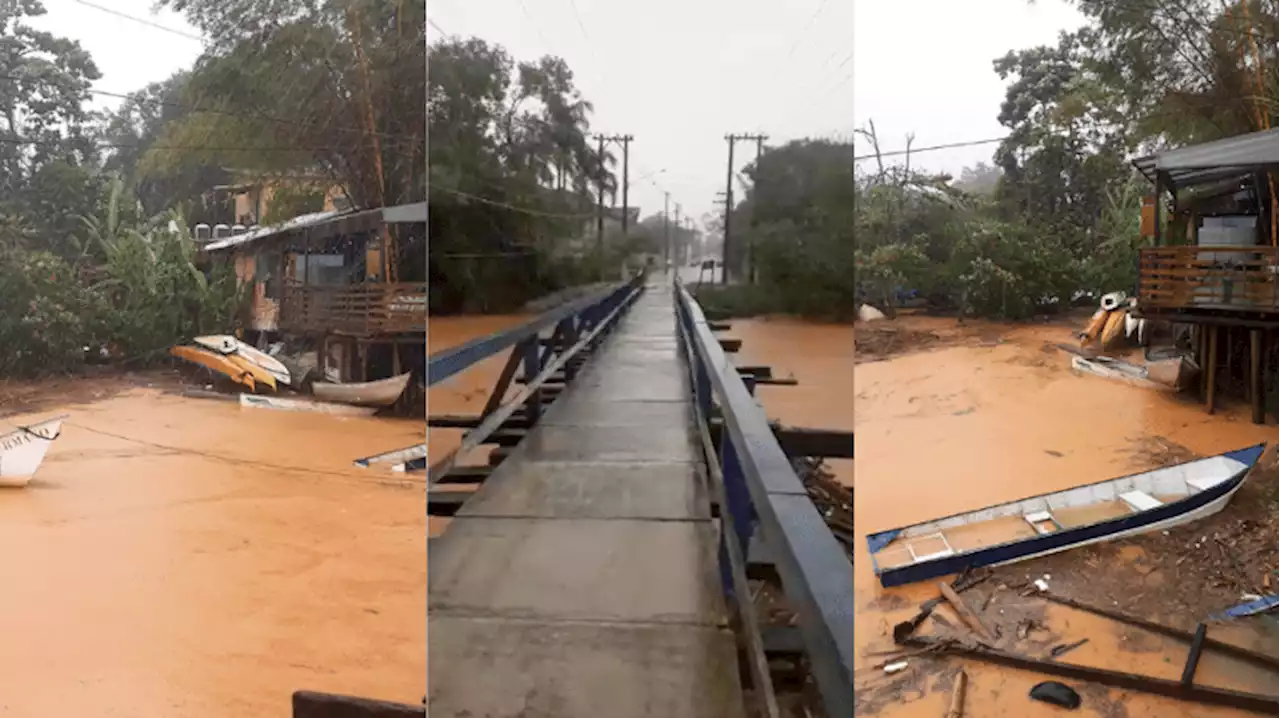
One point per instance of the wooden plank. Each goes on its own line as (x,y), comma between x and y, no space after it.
(966,614)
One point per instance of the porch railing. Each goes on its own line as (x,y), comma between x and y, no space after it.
(354,310)
(1202,277)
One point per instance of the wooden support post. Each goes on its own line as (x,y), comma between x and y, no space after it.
(957,696)
(1211,370)
(1256,373)
(966,613)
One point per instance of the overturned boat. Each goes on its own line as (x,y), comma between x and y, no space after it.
(383,392)
(217,363)
(22,450)
(1049,523)
(229,346)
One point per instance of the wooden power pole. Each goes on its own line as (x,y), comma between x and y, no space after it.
(728,196)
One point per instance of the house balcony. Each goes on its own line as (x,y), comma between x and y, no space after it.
(1208,280)
(357,310)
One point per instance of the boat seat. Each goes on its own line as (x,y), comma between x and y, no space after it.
(1040,517)
(1204,484)
(1141,500)
(946,551)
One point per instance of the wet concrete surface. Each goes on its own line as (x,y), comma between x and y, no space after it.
(969,423)
(181,557)
(612,586)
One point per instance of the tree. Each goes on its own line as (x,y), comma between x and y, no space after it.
(332,85)
(47,143)
(513,175)
(135,128)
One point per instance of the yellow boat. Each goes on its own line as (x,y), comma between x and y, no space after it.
(260,374)
(216,362)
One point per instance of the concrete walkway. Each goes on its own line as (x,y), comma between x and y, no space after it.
(581,580)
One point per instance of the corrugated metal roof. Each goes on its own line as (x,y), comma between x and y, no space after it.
(344,221)
(257,233)
(1212,161)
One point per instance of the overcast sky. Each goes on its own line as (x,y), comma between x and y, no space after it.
(925,67)
(680,74)
(129,54)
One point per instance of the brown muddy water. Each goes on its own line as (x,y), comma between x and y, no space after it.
(466,392)
(182,557)
(991,414)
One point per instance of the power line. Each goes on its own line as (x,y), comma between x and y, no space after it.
(796,43)
(171,148)
(512,207)
(142,21)
(913,151)
(215,111)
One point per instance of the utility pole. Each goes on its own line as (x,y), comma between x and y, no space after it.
(677,217)
(600,208)
(666,229)
(728,192)
(751,260)
(625,140)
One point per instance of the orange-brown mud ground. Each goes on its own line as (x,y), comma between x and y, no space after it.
(185,557)
(955,417)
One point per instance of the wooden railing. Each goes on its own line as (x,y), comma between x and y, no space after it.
(1219,278)
(360,310)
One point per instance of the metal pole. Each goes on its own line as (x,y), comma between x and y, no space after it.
(600,209)
(728,210)
(666,229)
(626,177)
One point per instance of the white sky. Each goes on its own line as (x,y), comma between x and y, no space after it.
(129,55)
(680,74)
(925,67)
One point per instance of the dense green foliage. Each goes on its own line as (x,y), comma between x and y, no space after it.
(1061,218)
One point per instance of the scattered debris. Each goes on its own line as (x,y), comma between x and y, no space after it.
(967,614)
(1056,693)
(957,696)
(895,667)
(1258,604)
(833,499)
(1064,648)
(868,313)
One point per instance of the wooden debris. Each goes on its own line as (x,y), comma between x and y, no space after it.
(957,696)
(966,614)
(1064,648)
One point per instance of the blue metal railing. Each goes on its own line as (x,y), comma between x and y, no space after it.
(760,491)
(574,317)
(577,327)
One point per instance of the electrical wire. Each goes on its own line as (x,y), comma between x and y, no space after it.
(215,111)
(512,207)
(239,461)
(914,150)
(142,21)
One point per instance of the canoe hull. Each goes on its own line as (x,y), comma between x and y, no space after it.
(287,404)
(1167,515)
(22,451)
(380,393)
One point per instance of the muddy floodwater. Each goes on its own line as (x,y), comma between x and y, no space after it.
(960,418)
(466,392)
(183,557)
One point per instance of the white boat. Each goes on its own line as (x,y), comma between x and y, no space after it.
(281,403)
(406,459)
(1049,523)
(383,392)
(226,344)
(22,450)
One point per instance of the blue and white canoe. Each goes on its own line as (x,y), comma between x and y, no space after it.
(1049,523)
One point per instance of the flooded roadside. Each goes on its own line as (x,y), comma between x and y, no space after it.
(183,557)
(464,393)
(957,418)
(819,357)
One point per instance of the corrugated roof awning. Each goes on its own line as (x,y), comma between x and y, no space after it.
(1212,161)
(327,224)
